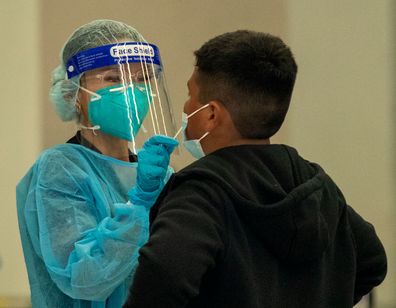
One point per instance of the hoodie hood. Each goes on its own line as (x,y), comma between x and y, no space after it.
(288,202)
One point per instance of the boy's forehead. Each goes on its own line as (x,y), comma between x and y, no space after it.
(193,81)
(193,78)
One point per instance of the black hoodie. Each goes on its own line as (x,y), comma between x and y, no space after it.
(255,226)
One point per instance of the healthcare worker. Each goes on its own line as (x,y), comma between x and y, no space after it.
(83,206)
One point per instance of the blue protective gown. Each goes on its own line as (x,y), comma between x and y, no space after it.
(80,237)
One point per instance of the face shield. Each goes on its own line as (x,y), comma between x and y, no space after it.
(128,95)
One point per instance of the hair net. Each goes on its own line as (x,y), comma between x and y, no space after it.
(63,92)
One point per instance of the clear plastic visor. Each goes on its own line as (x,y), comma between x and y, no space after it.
(129,101)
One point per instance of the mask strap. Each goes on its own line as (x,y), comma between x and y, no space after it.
(190,115)
(207,133)
(96,95)
(199,109)
(93,128)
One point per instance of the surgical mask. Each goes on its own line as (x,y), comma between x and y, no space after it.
(194,145)
(119,111)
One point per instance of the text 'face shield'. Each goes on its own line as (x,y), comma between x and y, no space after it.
(129,99)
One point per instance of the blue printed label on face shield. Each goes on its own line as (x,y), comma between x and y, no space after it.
(126,52)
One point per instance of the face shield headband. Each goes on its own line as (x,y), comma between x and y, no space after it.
(112,54)
(129,90)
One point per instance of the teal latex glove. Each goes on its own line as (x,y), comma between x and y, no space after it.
(153,161)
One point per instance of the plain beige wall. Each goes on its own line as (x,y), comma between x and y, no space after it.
(19,128)
(342,111)
(344,55)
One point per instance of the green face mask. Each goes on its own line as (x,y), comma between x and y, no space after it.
(120,111)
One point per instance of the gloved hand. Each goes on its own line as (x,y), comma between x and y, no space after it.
(153,161)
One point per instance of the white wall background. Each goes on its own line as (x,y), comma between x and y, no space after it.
(341,114)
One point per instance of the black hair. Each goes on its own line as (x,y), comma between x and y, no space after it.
(252,74)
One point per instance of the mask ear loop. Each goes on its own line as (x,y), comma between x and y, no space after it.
(189,116)
(93,128)
(207,133)
(95,98)
(96,95)
(78,107)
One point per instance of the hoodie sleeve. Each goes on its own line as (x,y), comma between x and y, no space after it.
(371,258)
(186,239)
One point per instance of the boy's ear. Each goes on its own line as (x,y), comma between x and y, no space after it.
(218,116)
(214,113)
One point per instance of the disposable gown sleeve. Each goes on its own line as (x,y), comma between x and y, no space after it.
(186,238)
(87,250)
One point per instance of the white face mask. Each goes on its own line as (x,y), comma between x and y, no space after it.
(193,146)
